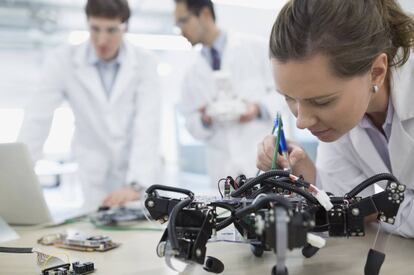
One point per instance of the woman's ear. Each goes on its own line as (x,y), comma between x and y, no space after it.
(379,69)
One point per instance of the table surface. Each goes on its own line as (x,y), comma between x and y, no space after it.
(137,255)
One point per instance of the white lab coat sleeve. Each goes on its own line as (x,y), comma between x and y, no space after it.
(189,105)
(336,171)
(38,114)
(337,174)
(145,161)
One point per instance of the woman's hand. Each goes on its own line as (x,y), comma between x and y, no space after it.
(299,161)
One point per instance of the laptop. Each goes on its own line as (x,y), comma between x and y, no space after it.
(21,197)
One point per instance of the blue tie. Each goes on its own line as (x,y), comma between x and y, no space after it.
(215,56)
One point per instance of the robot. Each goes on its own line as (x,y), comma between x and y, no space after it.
(275,211)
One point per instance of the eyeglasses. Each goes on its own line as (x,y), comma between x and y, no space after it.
(110,31)
(183,20)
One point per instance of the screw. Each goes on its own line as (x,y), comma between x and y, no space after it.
(355,211)
(151,204)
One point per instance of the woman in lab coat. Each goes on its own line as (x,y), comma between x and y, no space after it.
(116,137)
(345,70)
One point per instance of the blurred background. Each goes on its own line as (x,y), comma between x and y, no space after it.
(30,29)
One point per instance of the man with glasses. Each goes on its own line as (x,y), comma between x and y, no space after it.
(112,89)
(228,96)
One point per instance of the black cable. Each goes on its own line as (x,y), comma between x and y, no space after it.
(265,189)
(232,182)
(172,233)
(236,180)
(290,187)
(155,187)
(240,213)
(223,224)
(370,181)
(218,186)
(27,250)
(223,205)
(252,182)
(227,221)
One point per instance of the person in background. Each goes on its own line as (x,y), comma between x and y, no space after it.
(345,70)
(227,94)
(112,89)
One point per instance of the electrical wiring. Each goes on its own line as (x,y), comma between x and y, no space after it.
(250,183)
(290,187)
(280,200)
(370,181)
(218,186)
(227,221)
(263,211)
(23,250)
(42,258)
(50,257)
(172,232)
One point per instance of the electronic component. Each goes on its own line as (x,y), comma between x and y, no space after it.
(84,268)
(275,211)
(118,216)
(79,241)
(52,265)
(65,269)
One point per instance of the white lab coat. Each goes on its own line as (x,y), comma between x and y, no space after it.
(353,158)
(231,149)
(116,139)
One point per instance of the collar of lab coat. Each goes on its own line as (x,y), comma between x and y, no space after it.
(401,142)
(231,42)
(89,76)
(402,90)
(94,59)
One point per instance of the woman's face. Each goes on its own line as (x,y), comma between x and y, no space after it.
(326,105)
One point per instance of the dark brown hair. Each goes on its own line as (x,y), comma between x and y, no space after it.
(195,6)
(108,9)
(351,33)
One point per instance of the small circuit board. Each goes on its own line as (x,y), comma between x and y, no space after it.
(79,241)
(77,268)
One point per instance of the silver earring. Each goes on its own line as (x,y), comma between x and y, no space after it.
(375,89)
